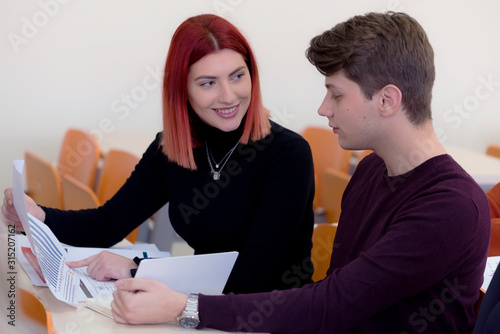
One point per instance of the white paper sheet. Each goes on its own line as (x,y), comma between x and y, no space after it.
(29,262)
(491,266)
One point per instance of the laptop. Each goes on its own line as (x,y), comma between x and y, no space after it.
(204,273)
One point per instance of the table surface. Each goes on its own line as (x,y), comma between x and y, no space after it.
(67,319)
(484,169)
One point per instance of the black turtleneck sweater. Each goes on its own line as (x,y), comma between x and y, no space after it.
(261,206)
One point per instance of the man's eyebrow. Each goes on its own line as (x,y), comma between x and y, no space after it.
(211,77)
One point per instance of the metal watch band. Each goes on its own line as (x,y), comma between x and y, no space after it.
(189,317)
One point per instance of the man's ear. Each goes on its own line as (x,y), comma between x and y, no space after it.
(390,100)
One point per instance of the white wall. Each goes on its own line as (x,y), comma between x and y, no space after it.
(70,63)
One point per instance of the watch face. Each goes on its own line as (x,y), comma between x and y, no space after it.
(189,322)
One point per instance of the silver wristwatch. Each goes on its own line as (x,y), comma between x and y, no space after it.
(189,317)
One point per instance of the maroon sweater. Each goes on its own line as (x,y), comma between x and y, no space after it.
(409,257)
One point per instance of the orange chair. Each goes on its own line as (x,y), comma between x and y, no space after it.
(321,252)
(33,308)
(493,196)
(493,150)
(326,153)
(116,168)
(77,195)
(42,181)
(334,184)
(79,156)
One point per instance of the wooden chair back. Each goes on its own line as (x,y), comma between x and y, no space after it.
(326,153)
(79,156)
(77,195)
(33,309)
(116,169)
(493,150)
(493,196)
(334,184)
(42,181)
(321,252)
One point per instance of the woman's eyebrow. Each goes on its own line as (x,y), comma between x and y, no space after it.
(212,77)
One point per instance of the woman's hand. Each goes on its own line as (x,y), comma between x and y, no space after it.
(146,301)
(9,214)
(106,266)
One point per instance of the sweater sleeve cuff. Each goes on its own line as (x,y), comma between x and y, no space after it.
(214,312)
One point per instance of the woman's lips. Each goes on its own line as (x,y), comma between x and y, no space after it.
(227,112)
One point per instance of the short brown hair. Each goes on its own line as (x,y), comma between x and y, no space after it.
(378,49)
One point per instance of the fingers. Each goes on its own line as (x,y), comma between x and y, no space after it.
(8,197)
(121,306)
(130,284)
(105,266)
(8,211)
(81,263)
(146,301)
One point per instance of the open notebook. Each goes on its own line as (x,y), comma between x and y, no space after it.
(206,274)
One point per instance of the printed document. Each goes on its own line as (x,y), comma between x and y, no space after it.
(47,257)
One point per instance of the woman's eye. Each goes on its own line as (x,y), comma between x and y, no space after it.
(238,76)
(207,84)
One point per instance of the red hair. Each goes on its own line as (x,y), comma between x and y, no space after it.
(195,38)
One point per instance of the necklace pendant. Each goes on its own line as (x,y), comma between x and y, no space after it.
(216,175)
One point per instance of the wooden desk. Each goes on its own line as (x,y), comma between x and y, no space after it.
(483,168)
(82,320)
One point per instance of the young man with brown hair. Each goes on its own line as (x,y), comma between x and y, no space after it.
(412,240)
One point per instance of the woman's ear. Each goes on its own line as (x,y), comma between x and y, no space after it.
(390,100)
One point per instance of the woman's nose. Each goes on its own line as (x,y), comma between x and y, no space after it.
(227,94)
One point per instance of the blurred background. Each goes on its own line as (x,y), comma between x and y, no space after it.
(98,65)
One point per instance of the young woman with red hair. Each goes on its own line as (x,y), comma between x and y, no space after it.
(234,180)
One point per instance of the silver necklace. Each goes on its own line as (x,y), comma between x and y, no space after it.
(216,172)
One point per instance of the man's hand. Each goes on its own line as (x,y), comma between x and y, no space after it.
(146,301)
